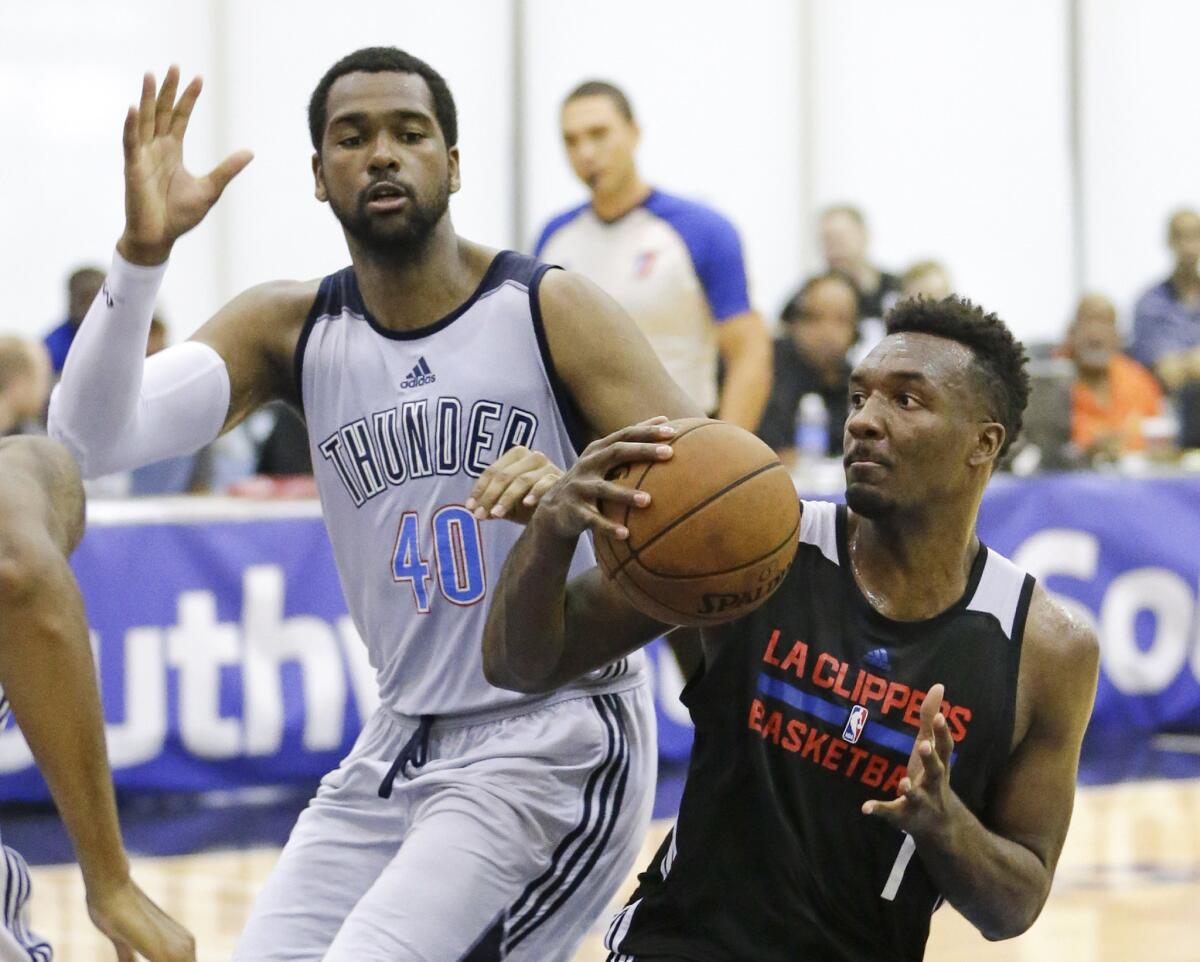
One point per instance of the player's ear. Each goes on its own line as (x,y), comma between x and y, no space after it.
(989,439)
(455,180)
(319,179)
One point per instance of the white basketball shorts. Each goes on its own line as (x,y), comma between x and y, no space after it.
(503,839)
(17,942)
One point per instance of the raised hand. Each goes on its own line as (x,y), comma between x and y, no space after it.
(137,927)
(163,201)
(924,793)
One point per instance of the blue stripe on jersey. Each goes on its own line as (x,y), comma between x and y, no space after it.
(833,713)
(525,919)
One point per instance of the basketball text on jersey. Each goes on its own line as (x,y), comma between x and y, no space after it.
(421,438)
(835,692)
(401,424)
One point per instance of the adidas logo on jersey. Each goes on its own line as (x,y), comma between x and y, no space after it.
(878,658)
(419,376)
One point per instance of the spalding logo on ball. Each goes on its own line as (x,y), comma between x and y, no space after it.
(720,531)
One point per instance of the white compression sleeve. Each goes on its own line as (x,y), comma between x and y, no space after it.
(115,409)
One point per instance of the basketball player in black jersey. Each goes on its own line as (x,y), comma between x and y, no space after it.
(899,724)
(49,681)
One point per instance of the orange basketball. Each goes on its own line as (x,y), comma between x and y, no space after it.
(718,535)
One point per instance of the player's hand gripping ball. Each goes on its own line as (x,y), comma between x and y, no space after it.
(720,531)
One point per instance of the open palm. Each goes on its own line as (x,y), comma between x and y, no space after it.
(163,200)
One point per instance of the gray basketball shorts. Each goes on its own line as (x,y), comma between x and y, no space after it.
(502,839)
(17,942)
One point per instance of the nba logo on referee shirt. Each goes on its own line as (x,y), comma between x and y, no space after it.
(855,724)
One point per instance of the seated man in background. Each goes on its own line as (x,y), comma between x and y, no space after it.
(1166,324)
(82,287)
(926,279)
(24,386)
(819,325)
(1112,393)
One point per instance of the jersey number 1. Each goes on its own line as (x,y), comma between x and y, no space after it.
(457,552)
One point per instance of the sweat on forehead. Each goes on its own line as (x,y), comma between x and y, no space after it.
(940,361)
(928,352)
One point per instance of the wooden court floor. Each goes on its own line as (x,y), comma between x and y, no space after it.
(1128,888)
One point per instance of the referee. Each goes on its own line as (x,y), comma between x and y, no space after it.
(675,265)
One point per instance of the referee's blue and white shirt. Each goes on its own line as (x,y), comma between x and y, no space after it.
(675,265)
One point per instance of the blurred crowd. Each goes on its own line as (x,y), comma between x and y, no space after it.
(1099,396)
(677,267)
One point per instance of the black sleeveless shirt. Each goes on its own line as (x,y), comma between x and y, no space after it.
(810,707)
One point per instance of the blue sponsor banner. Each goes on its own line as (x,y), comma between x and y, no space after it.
(1124,555)
(225,654)
(227,659)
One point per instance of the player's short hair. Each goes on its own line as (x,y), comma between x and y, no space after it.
(793,310)
(1000,358)
(602,88)
(383,60)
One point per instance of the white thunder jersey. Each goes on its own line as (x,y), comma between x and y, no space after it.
(401,424)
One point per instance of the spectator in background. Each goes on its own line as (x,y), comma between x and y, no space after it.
(819,325)
(284,452)
(1112,393)
(675,265)
(926,279)
(844,241)
(1166,324)
(82,287)
(24,386)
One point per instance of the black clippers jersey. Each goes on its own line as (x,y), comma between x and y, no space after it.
(810,707)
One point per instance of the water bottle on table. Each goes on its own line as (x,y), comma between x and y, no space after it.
(812,429)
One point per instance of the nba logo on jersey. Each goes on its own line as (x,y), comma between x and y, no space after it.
(643,263)
(855,724)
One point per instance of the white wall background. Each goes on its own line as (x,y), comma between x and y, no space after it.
(1141,136)
(948,122)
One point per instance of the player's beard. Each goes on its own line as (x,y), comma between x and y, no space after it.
(868,503)
(399,236)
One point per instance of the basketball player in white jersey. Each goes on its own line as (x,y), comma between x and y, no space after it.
(49,680)
(467,822)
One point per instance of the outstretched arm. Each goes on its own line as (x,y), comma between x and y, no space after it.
(542,632)
(114,409)
(49,678)
(997,871)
